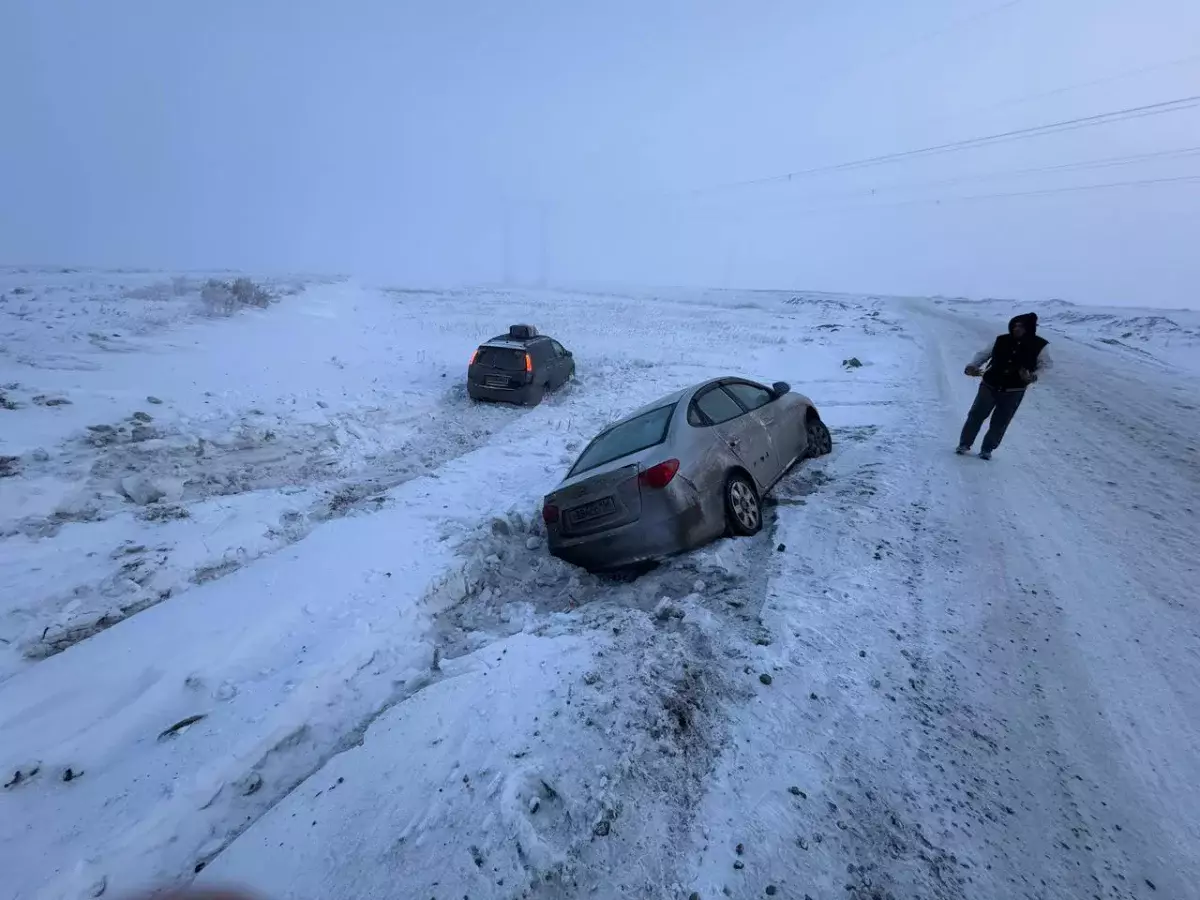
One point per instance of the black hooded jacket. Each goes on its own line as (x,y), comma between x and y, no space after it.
(1010,355)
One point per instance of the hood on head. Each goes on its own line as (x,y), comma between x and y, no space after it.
(1029,320)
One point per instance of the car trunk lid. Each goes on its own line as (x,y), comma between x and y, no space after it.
(498,367)
(595,501)
(618,480)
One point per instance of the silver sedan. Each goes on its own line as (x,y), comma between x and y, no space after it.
(681,472)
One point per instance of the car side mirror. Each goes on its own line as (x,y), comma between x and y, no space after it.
(568,354)
(780,388)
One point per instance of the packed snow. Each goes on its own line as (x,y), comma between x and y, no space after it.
(276,609)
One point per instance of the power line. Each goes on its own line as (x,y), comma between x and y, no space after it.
(952,26)
(1133,112)
(1103,163)
(937,201)
(1078,86)
(1177,179)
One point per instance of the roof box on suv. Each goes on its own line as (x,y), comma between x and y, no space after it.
(522,332)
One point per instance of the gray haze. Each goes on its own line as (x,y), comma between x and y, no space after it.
(405,140)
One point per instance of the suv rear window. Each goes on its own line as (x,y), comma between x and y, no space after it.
(647,430)
(501,358)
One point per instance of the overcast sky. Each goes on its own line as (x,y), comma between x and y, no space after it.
(415,142)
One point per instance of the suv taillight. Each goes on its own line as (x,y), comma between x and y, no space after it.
(549,513)
(659,476)
(474,356)
(528,363)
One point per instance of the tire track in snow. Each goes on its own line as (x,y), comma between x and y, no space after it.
(151,567)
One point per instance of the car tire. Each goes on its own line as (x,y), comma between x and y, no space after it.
(534,394)
(743,508)
(820,441)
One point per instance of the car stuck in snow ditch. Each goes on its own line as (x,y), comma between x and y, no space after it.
(680,472)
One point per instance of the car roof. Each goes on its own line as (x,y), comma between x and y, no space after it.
(507,343)
(685,394)
(510,342)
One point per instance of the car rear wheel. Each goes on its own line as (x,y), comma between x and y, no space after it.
(820,442)
(534,394)
(742,507)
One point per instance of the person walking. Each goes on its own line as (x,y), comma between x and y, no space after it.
(1014,361)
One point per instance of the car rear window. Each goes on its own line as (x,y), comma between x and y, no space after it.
(501,358)
(647,430)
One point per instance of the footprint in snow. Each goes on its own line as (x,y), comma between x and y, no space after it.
(539,818)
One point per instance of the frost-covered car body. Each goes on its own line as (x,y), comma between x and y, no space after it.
(680,472)
(519,367)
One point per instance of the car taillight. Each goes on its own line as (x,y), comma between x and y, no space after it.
(528,363)
(549,513)
(474,356)
(659,476)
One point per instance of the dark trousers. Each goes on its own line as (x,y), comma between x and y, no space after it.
(1000,405)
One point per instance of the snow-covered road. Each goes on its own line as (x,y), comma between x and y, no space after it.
(929,676)
(1072,617)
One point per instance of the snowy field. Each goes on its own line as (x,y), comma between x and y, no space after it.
(276,610)
(1167,338)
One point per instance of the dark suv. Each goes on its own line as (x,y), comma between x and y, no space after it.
(518,367)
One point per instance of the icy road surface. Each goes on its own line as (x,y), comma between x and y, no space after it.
(291,623)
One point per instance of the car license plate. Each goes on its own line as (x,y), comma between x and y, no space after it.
(500,381)
(593,510)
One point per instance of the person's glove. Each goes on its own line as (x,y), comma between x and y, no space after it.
(1027,376)
(973,371)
